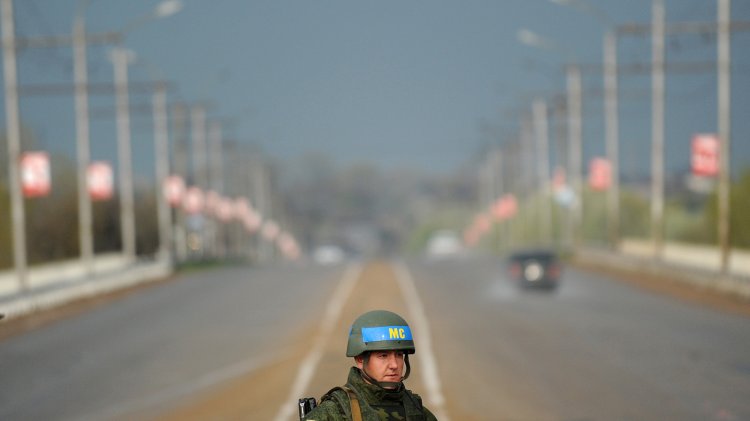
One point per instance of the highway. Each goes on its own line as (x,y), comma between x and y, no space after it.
(230,343)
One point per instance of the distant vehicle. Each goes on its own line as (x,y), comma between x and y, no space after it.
(444,243)
(538,268)
(328,255)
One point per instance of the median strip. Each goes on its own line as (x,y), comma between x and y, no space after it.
(312,359)
(429,371)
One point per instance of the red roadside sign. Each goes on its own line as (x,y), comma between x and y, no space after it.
(505,207)
(194,200)
(704,158)
(99,179)
(174,190)
(35,174)
(600,174)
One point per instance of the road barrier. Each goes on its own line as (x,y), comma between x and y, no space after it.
(692,263)
(57,283)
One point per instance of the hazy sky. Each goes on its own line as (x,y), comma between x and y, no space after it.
(395,83)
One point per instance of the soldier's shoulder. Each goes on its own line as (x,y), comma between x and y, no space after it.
(327,410)
(414,396)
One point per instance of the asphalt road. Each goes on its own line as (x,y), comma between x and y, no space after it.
(158,346)
(597,349)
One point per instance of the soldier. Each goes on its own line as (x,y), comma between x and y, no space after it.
(380,342)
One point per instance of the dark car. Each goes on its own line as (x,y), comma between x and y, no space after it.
(535,268)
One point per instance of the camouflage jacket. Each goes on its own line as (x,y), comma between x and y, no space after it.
(376,404)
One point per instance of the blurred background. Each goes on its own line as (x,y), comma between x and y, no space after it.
(156,136)
(371,126)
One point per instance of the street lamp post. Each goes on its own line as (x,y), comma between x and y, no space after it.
(179,120)
(80,73)
(79,42)
(217,181)
(724,126)
(161,145)
(575,141)
(13,133)
(612,134)
(574,94)
(121,57)
(657,128)
(541,129)
(611,114)
(198,154)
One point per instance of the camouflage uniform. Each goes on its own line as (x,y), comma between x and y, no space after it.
(376,403)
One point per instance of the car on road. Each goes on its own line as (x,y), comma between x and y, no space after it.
(326,255)
(444,244)
(535,268)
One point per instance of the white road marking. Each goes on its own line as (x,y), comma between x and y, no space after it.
(421,328)
(312,359)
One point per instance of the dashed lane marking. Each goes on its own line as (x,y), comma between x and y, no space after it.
(312,359)
(430,377)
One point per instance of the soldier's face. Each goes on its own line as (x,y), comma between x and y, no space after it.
(384,366)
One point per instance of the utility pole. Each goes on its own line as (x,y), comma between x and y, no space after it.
(120,59)
(612,136)
(161,146)
(723,26)
(494,175)
(527,153)
(198,135)
(80,72)
(264,206)
(724,127)
(179,120)
(541,129)
(13,133)
(657,128)
(566,232)
(574,149)
(217,181)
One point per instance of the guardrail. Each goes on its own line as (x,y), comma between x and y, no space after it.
(56,283)
(692,263)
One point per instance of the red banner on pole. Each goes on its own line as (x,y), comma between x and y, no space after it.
(99,178)
(35,174)
(704,158)
(505,207)
(174,190)
(600,174)
(194,200)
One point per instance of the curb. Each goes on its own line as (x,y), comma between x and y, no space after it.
(19,304)
(634,265)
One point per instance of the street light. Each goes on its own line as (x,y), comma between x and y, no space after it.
(80,77)
(121,57)
(163,9)
(541,132)
(13,134)
(573,80)
(78,40)
(611,122)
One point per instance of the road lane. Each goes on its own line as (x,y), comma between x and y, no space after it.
(313,356)
(259,394)
(153,348)
(419,323)
(596,349)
